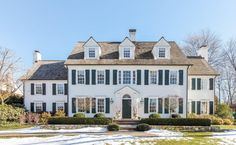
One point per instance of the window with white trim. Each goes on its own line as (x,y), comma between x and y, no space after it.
(100,77)
(92,53)
(60,106)
(153,105)
(38,106)
(60,88)
(101,105)
(153,77)
(134,77)
(162,52)
(127,52)
(38,89)
(204,84)
(81,104)
(126,77)
(173,77)
(81,77)
(204,107)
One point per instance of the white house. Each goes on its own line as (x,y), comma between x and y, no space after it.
(123,80)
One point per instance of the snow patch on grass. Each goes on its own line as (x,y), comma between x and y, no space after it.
(228,137)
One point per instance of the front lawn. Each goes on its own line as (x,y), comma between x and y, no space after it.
(13,125)
(226,126)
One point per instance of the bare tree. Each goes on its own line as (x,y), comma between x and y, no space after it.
(8,67)
(230,53)
(205,37)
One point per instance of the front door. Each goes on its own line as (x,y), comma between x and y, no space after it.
(126,108)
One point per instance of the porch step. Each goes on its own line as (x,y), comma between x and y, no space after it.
(127,122)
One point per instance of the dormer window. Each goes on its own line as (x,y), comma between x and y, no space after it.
(162,52)
(127,52)
(92,53)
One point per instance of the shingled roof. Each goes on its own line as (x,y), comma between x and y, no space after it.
(200,66)
(143,55)
(47,70)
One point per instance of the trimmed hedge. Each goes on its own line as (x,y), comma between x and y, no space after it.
(143,127)
(177,121)
(74,120)
(113,127)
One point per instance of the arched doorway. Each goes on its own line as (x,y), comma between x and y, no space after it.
(126,107)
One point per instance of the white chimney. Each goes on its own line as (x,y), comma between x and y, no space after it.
(203,52)
(37,56)
(132,34)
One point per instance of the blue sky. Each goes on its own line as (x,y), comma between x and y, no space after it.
(54,26)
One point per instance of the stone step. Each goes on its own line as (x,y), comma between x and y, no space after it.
(127,122)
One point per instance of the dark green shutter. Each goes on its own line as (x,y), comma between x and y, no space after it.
(160,105)
(87,107)
(44,89)
(167,77)
(73,105)
(73,77)
(146,77)
(198,107)
(193,84)
(139,77)
(193,107)
(44,107)
(66,108)
(107,77)
(160,77)
(211,84)
(181,76)
(94,105)
(181,105)
(31,107)
(65,89)
(145,105)
(54,107)
(32,89)
(93,77)
(114,77)
(166,105)
(87,77)
(107,105)
(53,89)
(211,107)
(198,83)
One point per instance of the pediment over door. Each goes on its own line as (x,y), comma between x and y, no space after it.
(127,91)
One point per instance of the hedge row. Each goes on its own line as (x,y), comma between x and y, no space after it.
(177,121)
(74,120)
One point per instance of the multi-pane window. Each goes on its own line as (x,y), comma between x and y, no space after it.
(60,88)
(38,89)
(101,105)
(204,107)
(119,77)
(134,77)
(80,77)
(162,52)
(204,84)
(153,105)
(60,106)
(126,52)
(91,52)
(81,104)
(126,77)
(153,77)
(38,106)
(173,77)
(100,77)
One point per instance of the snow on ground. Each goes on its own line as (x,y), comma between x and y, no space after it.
(164,133)
(39,130)
(227,138)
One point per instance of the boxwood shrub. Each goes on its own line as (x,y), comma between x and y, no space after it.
(74,120)
(113,127)
(177,121)
(143,127)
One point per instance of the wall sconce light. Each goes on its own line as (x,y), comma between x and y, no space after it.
(141,100)
(111,101)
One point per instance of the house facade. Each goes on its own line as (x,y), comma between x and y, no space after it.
(124,80)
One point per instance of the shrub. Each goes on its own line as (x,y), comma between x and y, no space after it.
(217,121)
(79,115)
(177,121)
(113,127)
(44,117)
(192,115)
(74,120)
(99,115)
(224,111)
(22,119)
(143,127)
(175,116)
(60,113)
(9,113)
(154,116)
(227,122)
(234,115)
(29,118)
(36,118)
